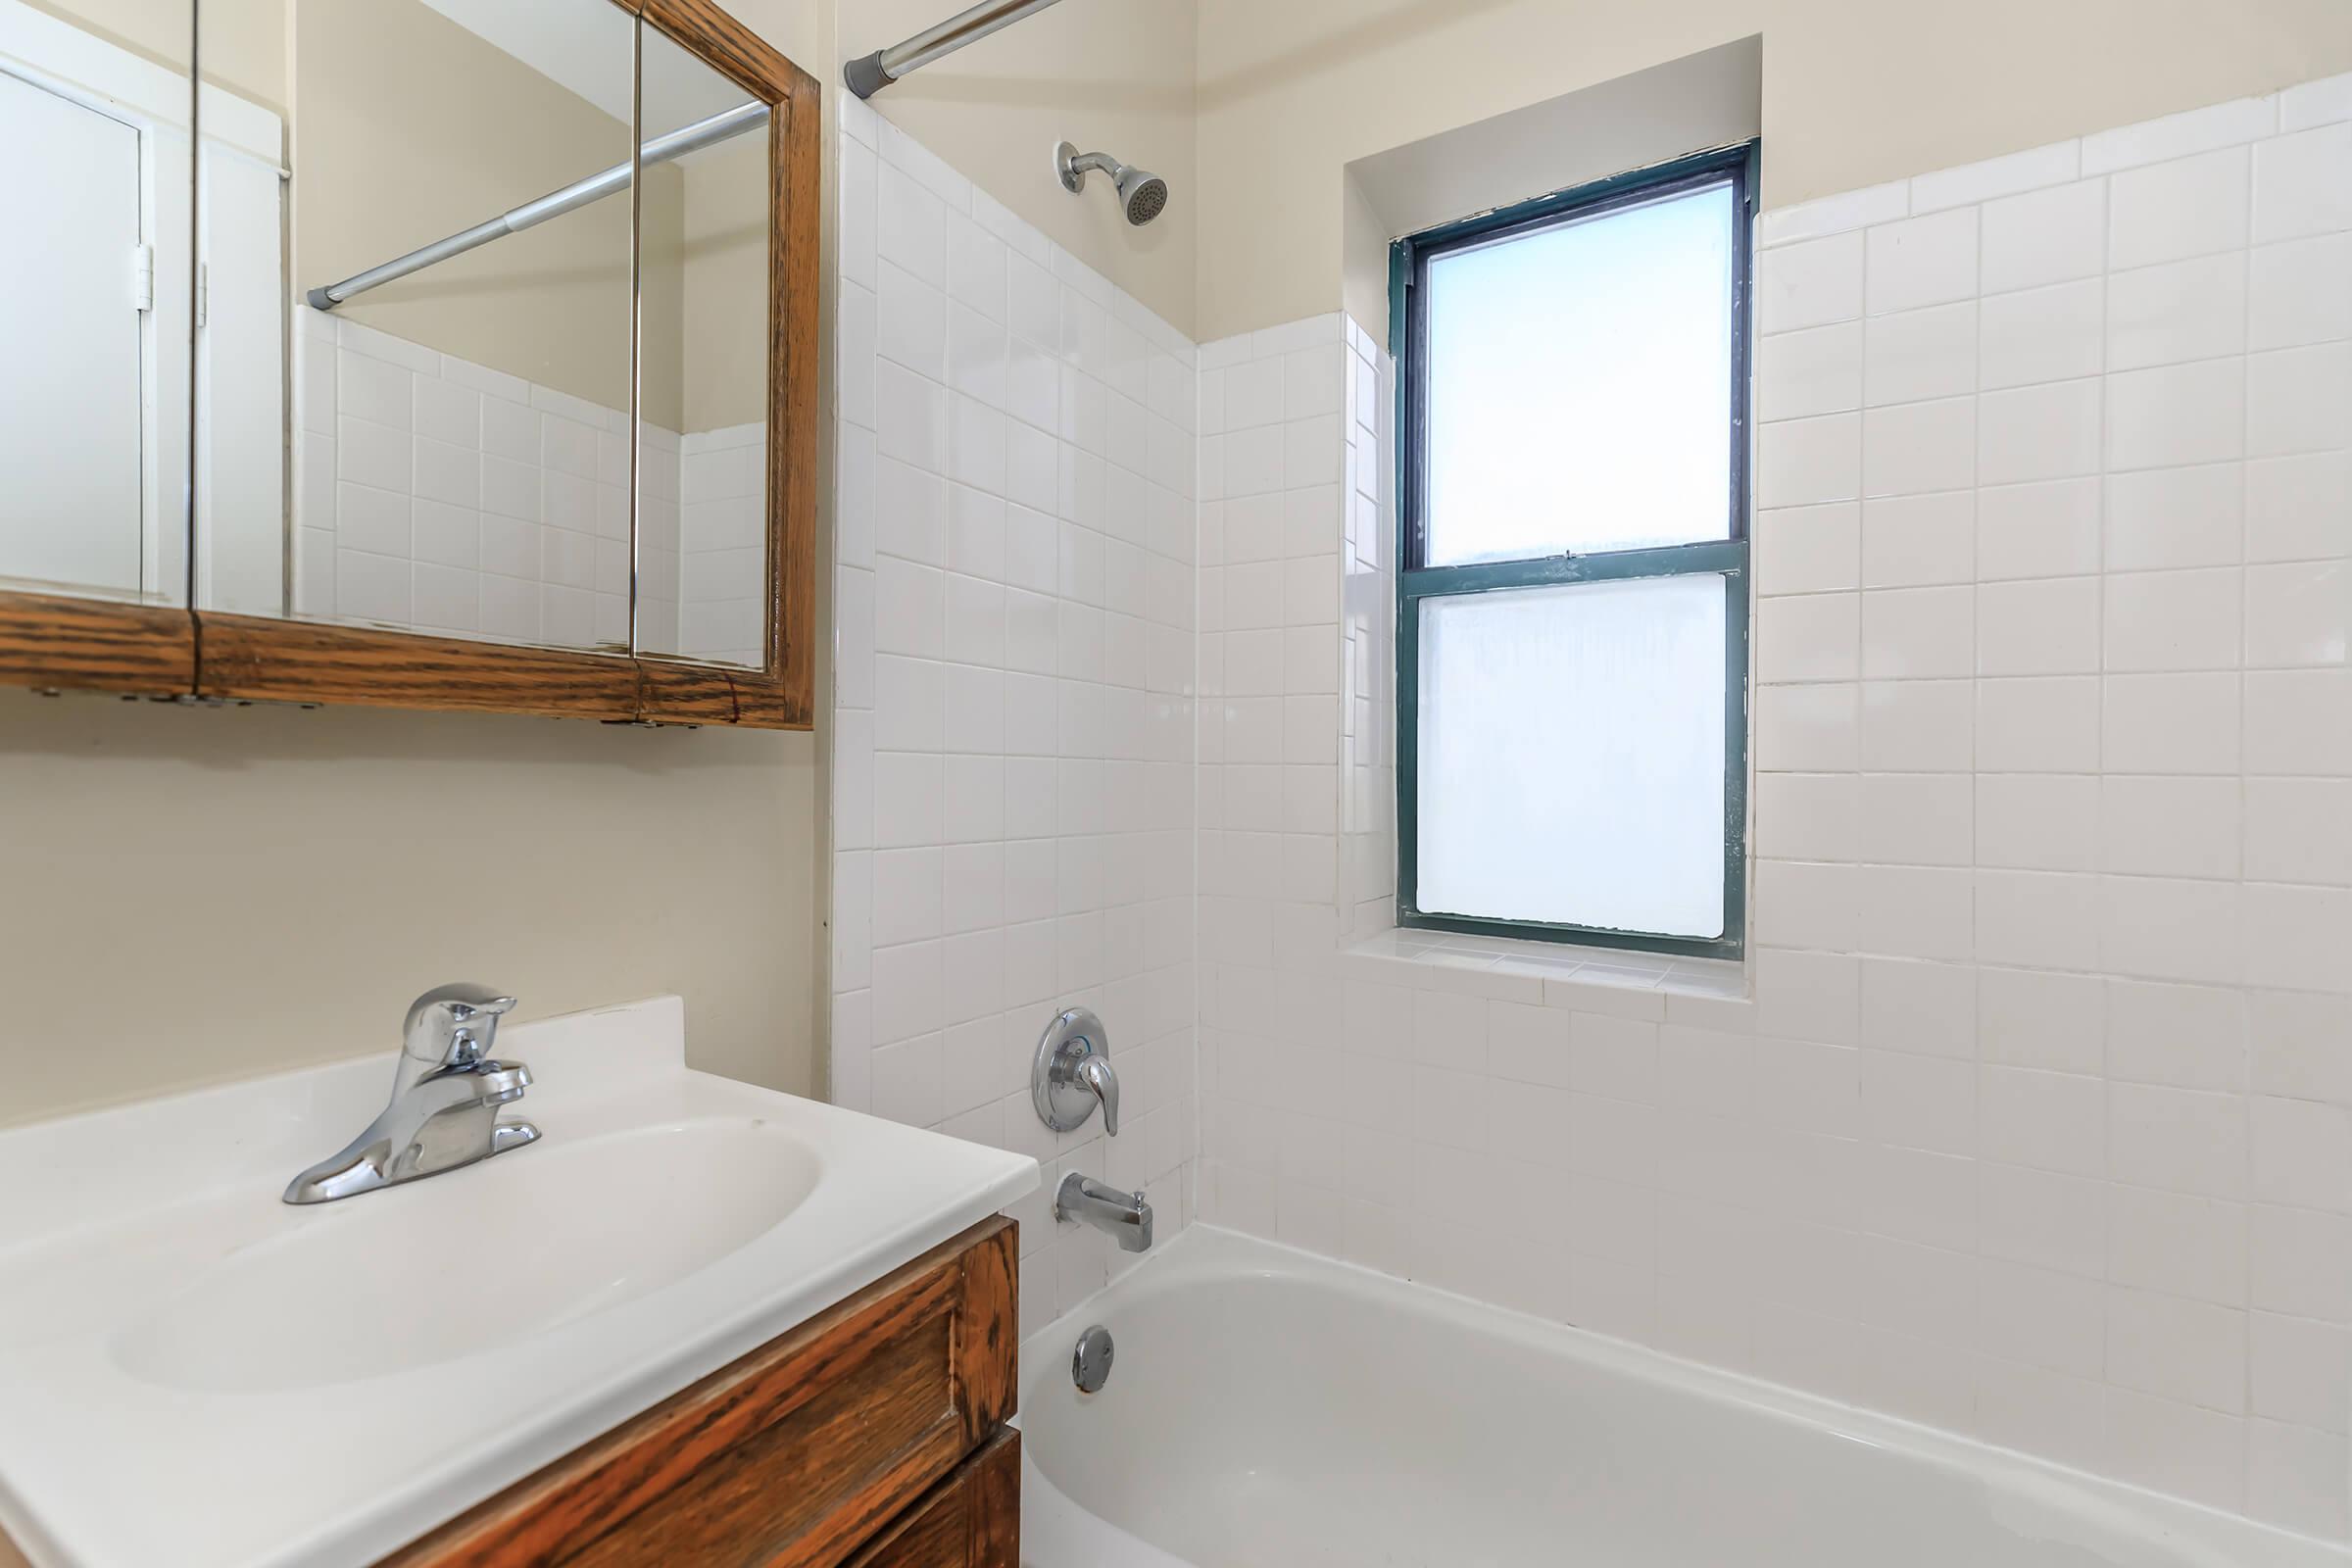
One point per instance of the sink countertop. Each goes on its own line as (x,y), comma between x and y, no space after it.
(193,1372)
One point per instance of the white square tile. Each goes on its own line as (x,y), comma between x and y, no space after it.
(2037,822)
(2303,183)
(2298,615)
(2294,506)
(2181,827)
(1806,285)
(2174,620)
(1923,260)
(1924,726)
(1819,371)
(1807,816)
(1919,447)
(2293,295)
(1921,353)
(1813,637)
(910,226)
(2043,529)
(2045,626)
(2178,1140)
(2049,1121)
(2183,1349)
(2192,310)
(2043,725)
(1808,549)
(371,588)
(2299,721)
(1919,633)
(1915,820)
(2167,212)
(1805,728)
(2045,236)
(2171,724)
(2162,517)
(1808,462)
(2182,413)
(2039,432)
(2299,830)
(1918,541)
(2299,399)
(2043,334)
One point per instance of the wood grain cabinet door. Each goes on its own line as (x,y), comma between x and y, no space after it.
(971,1520)
(799,1454)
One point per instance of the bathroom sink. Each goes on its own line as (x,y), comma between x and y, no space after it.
(527,1244)
(286,1386)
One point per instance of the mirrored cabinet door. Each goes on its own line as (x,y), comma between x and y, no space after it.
(96,297)
(702,513)
(446,448)
(449,353)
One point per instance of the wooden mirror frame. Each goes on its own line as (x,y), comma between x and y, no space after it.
(54,642)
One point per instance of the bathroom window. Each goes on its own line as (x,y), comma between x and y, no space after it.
(1572,636)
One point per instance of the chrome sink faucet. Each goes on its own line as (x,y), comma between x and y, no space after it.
(446,1091)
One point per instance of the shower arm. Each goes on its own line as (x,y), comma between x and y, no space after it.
(870,73)
(555,204)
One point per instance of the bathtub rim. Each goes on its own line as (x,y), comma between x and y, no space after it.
(1205,1253)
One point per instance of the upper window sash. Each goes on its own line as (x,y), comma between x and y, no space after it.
(1609,490)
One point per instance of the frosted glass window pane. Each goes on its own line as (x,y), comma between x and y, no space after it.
(1571,761)
(1579,390)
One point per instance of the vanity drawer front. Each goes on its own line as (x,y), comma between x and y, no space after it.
(971,1520)
(793,1456)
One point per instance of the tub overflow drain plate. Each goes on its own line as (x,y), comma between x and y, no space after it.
(1090,1364)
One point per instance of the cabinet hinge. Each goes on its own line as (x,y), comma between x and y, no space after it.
(142,277)
(204,292)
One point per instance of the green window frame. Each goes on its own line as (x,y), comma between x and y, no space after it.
(1408,270)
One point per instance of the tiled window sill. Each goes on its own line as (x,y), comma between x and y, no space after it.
(1607,980)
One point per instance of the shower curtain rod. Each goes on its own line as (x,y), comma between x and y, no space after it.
(555,204)
(868,75)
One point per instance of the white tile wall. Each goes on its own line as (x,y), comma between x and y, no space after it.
(721,554)
(438,495)
(1297,767)
(2075,937)
(2030,1115)
(1013,784)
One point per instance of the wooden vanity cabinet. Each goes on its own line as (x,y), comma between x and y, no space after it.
(872,1435)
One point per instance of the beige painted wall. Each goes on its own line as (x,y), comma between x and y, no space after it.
(707,265)
(1855,92)
(1112,75)
(203,894)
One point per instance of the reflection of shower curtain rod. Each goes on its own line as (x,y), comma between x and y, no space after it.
(659,150)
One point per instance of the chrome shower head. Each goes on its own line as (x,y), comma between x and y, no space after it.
(1143,195)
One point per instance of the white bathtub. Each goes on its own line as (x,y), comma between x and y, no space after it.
(1272,1409)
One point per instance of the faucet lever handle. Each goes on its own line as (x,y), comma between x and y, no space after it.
(453,1025)
(1095,1073)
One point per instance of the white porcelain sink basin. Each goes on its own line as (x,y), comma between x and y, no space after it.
(283,1387)
(576,1229)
